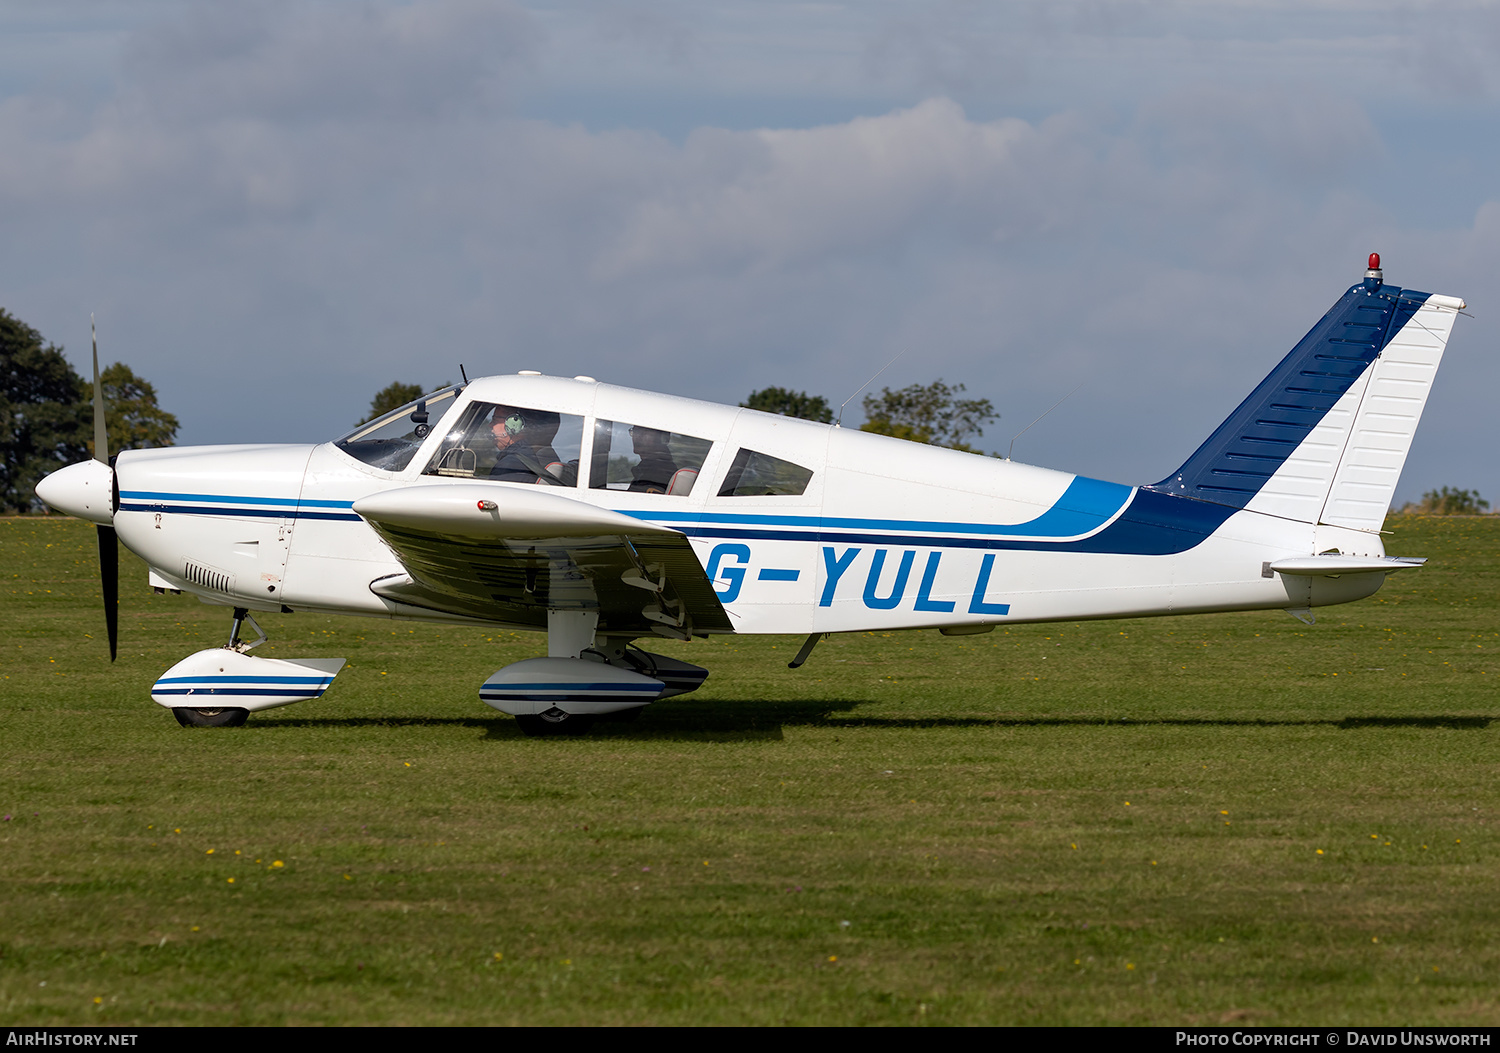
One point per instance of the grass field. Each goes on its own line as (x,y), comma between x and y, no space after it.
(1219,819)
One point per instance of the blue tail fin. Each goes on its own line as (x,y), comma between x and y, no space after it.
(1324,436)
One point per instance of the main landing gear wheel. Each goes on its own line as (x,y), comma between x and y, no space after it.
(230,717)
(555,722)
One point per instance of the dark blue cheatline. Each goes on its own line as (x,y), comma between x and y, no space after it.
(235,505)
(1151,524)
(1085,506)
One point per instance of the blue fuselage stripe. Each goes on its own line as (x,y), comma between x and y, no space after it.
(1085,506)
(159,495)
(248,680)
(1091,516)
(1153,524)
(237,505)
(256,691)
(241,513)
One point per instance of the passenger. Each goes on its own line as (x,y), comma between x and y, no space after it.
(541,429)
(653,475)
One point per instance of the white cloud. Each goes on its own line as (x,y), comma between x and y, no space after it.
(775,198)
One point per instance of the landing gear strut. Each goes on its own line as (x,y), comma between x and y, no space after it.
(241,616)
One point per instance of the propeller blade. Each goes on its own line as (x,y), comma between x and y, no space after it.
(109,579)
(109,544)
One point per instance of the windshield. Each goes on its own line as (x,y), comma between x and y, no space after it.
(389,442)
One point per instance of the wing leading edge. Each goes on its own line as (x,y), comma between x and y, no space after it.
(512,553)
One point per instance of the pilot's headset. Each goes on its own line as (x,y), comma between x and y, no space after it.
(515,420)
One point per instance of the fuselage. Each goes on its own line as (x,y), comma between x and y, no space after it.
(802,527)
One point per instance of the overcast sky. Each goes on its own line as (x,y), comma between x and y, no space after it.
(275,209)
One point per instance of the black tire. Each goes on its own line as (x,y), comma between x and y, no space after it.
(555,724)
(230,717)
(576,725)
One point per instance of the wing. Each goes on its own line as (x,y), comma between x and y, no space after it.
(512,553)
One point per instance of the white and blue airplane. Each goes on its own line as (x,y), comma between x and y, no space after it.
(606,515)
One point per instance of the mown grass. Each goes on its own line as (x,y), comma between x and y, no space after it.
(1232,818)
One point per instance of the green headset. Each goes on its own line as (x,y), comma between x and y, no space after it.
(515,423)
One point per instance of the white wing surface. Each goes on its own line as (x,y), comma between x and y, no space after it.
(512,553)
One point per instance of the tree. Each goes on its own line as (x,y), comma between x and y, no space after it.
(43,425)
(933,414)
(132,416)
(1448,502)
(790,403)
(47,413)
(393,397)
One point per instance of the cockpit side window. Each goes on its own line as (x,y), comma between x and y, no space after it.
(390,442)
(511,444)
(648,460)
(761,475)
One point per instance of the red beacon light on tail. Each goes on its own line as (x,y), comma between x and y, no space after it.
(1374,273)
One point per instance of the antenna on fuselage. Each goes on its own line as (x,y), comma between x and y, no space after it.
(1034,423)
(840,421)
(463,374)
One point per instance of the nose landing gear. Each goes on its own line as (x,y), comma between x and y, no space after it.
(222,686)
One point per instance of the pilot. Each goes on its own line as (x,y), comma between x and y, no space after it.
(653,475)
(517,462)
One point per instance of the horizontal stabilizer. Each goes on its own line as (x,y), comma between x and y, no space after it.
(1333,565)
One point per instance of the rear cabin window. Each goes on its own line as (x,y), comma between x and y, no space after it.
(647,460)
(761,475)
(511,444)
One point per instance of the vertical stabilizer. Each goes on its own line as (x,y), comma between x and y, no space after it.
(1324,436)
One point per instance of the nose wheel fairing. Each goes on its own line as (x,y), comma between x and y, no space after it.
(220,678)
